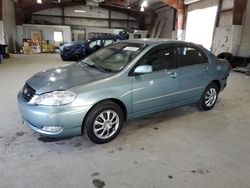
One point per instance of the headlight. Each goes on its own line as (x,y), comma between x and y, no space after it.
(56,98)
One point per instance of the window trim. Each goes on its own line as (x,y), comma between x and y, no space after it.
(131,72)
(189,45)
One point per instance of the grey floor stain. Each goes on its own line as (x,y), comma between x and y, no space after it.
(170,177)
(135,162)
(200,171)
(120,148)
(95,174)
(111,151)
(60,143)
(142,148)
(98,183)
(20,133)
(77,144)
(156,128)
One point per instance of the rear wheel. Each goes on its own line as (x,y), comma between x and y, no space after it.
(104,122)
(209,97)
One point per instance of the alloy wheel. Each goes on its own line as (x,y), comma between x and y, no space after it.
(210,97)
(106,124)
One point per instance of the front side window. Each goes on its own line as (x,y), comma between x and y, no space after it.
(191,56)
(95,43)
(114,57)
(163,58)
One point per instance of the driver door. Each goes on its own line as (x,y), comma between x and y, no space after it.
(157,90)
(94,46)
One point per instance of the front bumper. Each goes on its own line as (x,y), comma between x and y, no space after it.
(38,116)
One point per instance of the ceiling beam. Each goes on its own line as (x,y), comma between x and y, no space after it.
(177,4)
(28,10)
(181,9)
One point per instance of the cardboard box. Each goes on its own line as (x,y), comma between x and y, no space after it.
(26,50)
(35,49)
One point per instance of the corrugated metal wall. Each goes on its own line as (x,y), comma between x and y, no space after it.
(244,49)
(10,32)
(167,16)
(47,31)
(92,17)
(2,41)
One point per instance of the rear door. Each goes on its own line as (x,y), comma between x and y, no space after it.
(107,42)
(157,90)
(195,69)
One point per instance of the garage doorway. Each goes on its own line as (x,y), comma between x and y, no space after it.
(200,26)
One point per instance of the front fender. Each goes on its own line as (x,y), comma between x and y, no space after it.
(90,98)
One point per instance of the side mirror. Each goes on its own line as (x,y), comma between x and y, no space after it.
(143,69)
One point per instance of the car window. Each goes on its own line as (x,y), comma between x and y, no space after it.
(163,58)
(107,42)
(95,43)
(115,57)
(191,56)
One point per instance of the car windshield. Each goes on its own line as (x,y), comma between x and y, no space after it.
(114,57)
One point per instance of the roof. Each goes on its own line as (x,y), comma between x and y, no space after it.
(155,41)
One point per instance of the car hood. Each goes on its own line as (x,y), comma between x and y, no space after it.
(72,45)
(65,77)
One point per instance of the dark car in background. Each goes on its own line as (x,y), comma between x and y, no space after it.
(76,50)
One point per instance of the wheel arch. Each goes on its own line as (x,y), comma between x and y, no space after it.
(217,83)
(114,100)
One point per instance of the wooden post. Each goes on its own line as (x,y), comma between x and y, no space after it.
(239,11)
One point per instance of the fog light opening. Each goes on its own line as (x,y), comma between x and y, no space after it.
(52,129)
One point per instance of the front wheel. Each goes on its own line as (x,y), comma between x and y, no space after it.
(104,122)
(209,97)
(77,57)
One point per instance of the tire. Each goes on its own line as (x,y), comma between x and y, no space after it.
(210,94)
(63,58)
(229,57)
(99,127)
(77,57)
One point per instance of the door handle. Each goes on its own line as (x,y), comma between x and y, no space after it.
(206,69)
(173,75)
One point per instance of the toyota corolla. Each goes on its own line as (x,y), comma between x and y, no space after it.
(118,83)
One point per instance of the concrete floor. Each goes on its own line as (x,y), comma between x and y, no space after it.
(183,147)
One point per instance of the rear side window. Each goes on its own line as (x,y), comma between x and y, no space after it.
(191,56)
(108,42)
(163,58)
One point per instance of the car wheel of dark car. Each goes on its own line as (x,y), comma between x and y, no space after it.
(63,58)
(103,122)
(209,97)
(77,57)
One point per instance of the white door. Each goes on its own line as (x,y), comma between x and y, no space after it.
(200,26)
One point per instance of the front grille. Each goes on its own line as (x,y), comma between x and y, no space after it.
(28,92)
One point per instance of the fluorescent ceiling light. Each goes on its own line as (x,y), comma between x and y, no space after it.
(142,9)
(144,4)
(80,11)
(39,1)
